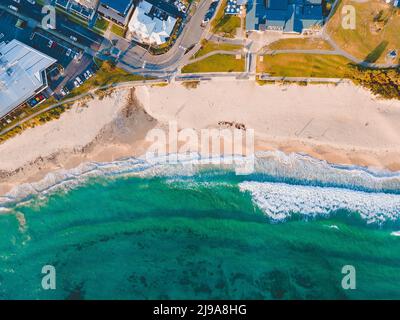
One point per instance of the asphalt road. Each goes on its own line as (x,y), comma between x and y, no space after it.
(137,58)
(65,26)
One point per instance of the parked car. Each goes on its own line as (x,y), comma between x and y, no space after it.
(79,80)
(13,8)
(68,53)
(73,38)
(52,44)
(76,84)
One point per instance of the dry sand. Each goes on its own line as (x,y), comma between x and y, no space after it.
(341,124)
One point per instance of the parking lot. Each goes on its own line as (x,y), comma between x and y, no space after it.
(71,61)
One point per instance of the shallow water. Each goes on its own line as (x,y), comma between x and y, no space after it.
(208,234)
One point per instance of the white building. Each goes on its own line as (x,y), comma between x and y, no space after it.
(150,24)
(22,74)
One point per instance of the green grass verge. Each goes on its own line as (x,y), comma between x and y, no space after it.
(305,65)
(300,44)
(118,30)
(209,46)
(216,63)
(101,23)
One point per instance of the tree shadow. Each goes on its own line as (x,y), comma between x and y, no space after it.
(375,54)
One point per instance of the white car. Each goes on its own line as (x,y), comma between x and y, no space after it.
(79,80)
(76,84)
(31,1)
(68,53)
(73,38)
(13,8)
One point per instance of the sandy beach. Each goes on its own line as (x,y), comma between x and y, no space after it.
(341,124)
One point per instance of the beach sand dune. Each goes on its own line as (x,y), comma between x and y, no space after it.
(341,124)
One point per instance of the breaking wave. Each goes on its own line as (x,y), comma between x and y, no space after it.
(279,201)
(280,185)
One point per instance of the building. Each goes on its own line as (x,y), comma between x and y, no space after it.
(117,11)
(84,8)
(22,74)
(151,24)
(395,3)
(289,16)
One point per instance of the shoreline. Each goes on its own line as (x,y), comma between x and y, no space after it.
(116,126)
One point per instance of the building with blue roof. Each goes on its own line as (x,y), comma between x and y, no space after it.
(118,11)
(289,16)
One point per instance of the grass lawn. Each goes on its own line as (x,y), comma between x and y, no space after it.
(209,46)
(223,24)
(305,65)
(118,30)
(376,32)
(300,43)
(216,63)
(102,23)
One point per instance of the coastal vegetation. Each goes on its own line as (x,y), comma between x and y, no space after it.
(376,32)
(216,63)
(107,74)
(382,82)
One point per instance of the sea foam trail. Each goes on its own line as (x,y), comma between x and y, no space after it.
(279,201)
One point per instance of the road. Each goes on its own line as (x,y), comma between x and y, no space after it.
(139,59)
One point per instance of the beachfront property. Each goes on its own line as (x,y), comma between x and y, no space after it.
(151,24)
(117,11)
(234,7)
(395,3)
(22,74)
(288,16)
(84,8)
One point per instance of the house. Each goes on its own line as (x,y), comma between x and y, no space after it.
(289,16)
(116,11)
(22,74)
(152,24)
(86,9)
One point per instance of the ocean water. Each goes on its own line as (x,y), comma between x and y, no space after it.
(134,230)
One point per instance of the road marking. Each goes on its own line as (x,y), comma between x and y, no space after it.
(81,34)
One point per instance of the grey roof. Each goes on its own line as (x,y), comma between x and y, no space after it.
(286,15)
(22,74)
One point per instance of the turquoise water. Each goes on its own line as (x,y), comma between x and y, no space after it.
(197,237)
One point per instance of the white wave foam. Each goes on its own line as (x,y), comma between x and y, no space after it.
(279,201)
(275,164)
(307,169)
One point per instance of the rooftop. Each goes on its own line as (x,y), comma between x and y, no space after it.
(120,6)
(22,74)
(151,24)
(284,15)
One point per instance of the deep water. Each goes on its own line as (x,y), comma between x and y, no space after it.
(193,237)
